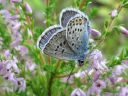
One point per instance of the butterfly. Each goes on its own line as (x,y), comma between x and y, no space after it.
(68,40)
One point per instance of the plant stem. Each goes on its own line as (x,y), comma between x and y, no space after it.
(109,28)
(119,8)
(29,22)
(82,4)
(50,84)
(47,24)
(53,75)
(49,60)
(58,64)
(42,58)
(66,75)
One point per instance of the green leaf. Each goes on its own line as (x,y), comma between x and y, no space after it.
(49,68)
(125,5)
(124,1)
(93,13)
(106,24)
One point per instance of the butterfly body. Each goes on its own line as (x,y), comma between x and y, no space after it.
(69,40)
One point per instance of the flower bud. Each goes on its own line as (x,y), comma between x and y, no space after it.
(80,74)
(94,33)
(96,76)
(17,26)
(28,8)
(7,53)
(78,92)
(114,13)
(123,30)
(16,1)
(123,91)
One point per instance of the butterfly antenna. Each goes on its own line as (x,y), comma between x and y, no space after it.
(70,74)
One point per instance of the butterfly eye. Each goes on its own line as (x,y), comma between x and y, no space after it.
(80,62)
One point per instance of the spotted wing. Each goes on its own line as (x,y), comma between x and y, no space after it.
(44,38)
(67,14)
(78,33)
(59,48)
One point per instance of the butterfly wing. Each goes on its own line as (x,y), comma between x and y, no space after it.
(67,14)
(56,45)
(77,34)
(44,37)
(59,48)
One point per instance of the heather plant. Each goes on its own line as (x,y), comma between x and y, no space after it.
(26,71)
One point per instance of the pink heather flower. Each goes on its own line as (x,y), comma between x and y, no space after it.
(22,49)
(123,91)
(95,34)
(17,26)
(5,13)
(16,35)
(28,8)
(119,69)
(91,71)
(7,53)
(9,77)
(20,84)
(108,94)
(78,92)
(1,65)
(30,65)
(113,80)
(96,76)
(3,70)
(97,61)
(16,1)
(114,13)
(119,79)
(13,17)
(81,74)
(7,74)
(97,87)
(15,43)
(123,30)
(125,62)
(13,64)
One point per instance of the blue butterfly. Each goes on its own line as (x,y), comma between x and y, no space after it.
(68,40)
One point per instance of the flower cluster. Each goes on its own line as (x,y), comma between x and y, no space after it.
(9,69)
(98,79)
(97,70)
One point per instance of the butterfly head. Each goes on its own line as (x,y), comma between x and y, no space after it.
(80,63)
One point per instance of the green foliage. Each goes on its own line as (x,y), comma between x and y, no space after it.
(4,34)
